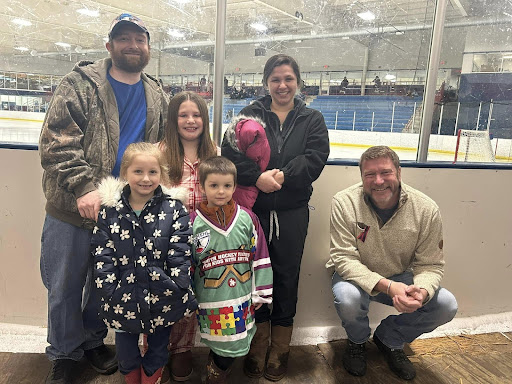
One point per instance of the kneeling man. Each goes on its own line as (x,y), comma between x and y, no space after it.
(387,246)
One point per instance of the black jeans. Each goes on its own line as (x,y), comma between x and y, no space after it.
(286,255)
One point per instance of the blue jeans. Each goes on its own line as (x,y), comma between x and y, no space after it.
(352,304)
(128,352)
(66,271)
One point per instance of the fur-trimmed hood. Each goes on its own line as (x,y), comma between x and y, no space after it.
(231,131)
(110,190)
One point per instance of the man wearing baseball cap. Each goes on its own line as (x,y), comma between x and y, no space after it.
(97,110)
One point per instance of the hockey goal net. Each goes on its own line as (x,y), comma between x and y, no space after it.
(474,146)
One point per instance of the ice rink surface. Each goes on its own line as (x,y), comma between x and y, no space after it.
(20,131)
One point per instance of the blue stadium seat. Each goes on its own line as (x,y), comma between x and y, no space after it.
(366,108)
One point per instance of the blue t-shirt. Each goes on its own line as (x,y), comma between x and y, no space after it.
(131,105)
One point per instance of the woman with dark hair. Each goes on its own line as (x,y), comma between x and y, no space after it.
(299,145)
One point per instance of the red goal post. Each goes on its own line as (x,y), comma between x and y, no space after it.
(474,146)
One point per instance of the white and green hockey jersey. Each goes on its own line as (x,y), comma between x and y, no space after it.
(232,273)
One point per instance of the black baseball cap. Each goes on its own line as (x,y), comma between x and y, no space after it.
(124,19)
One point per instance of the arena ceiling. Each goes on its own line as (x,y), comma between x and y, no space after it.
(187,27)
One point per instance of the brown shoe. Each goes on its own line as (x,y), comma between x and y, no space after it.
(277,363)
(181,366)
(166,375)
(254,363)
(215,375)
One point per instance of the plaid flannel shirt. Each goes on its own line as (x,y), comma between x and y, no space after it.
(190,181)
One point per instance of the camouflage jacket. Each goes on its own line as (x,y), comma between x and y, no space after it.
(80,135)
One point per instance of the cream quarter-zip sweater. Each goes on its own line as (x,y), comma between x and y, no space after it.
(411,239)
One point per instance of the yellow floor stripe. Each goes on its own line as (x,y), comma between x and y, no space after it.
(14,119)
(408,149)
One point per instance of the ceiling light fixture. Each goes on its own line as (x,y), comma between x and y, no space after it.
(367,16)
(63,45)
(88,12)
(175,33)
(22,49)
(260,27)
(22,22)
(185,48)
(389,76)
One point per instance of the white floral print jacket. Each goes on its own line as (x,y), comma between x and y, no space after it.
(142,264)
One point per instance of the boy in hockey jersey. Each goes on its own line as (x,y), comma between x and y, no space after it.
(233,275)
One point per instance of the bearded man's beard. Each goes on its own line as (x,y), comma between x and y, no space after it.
(131,64)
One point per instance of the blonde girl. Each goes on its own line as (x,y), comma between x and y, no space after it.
(142,261)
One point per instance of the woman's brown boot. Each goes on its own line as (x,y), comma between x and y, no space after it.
(254,363)
(277,363)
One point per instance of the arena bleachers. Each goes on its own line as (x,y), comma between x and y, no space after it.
(230,108)
(366,113)
(360,113)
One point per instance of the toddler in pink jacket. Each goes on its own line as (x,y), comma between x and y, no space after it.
(247,135)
